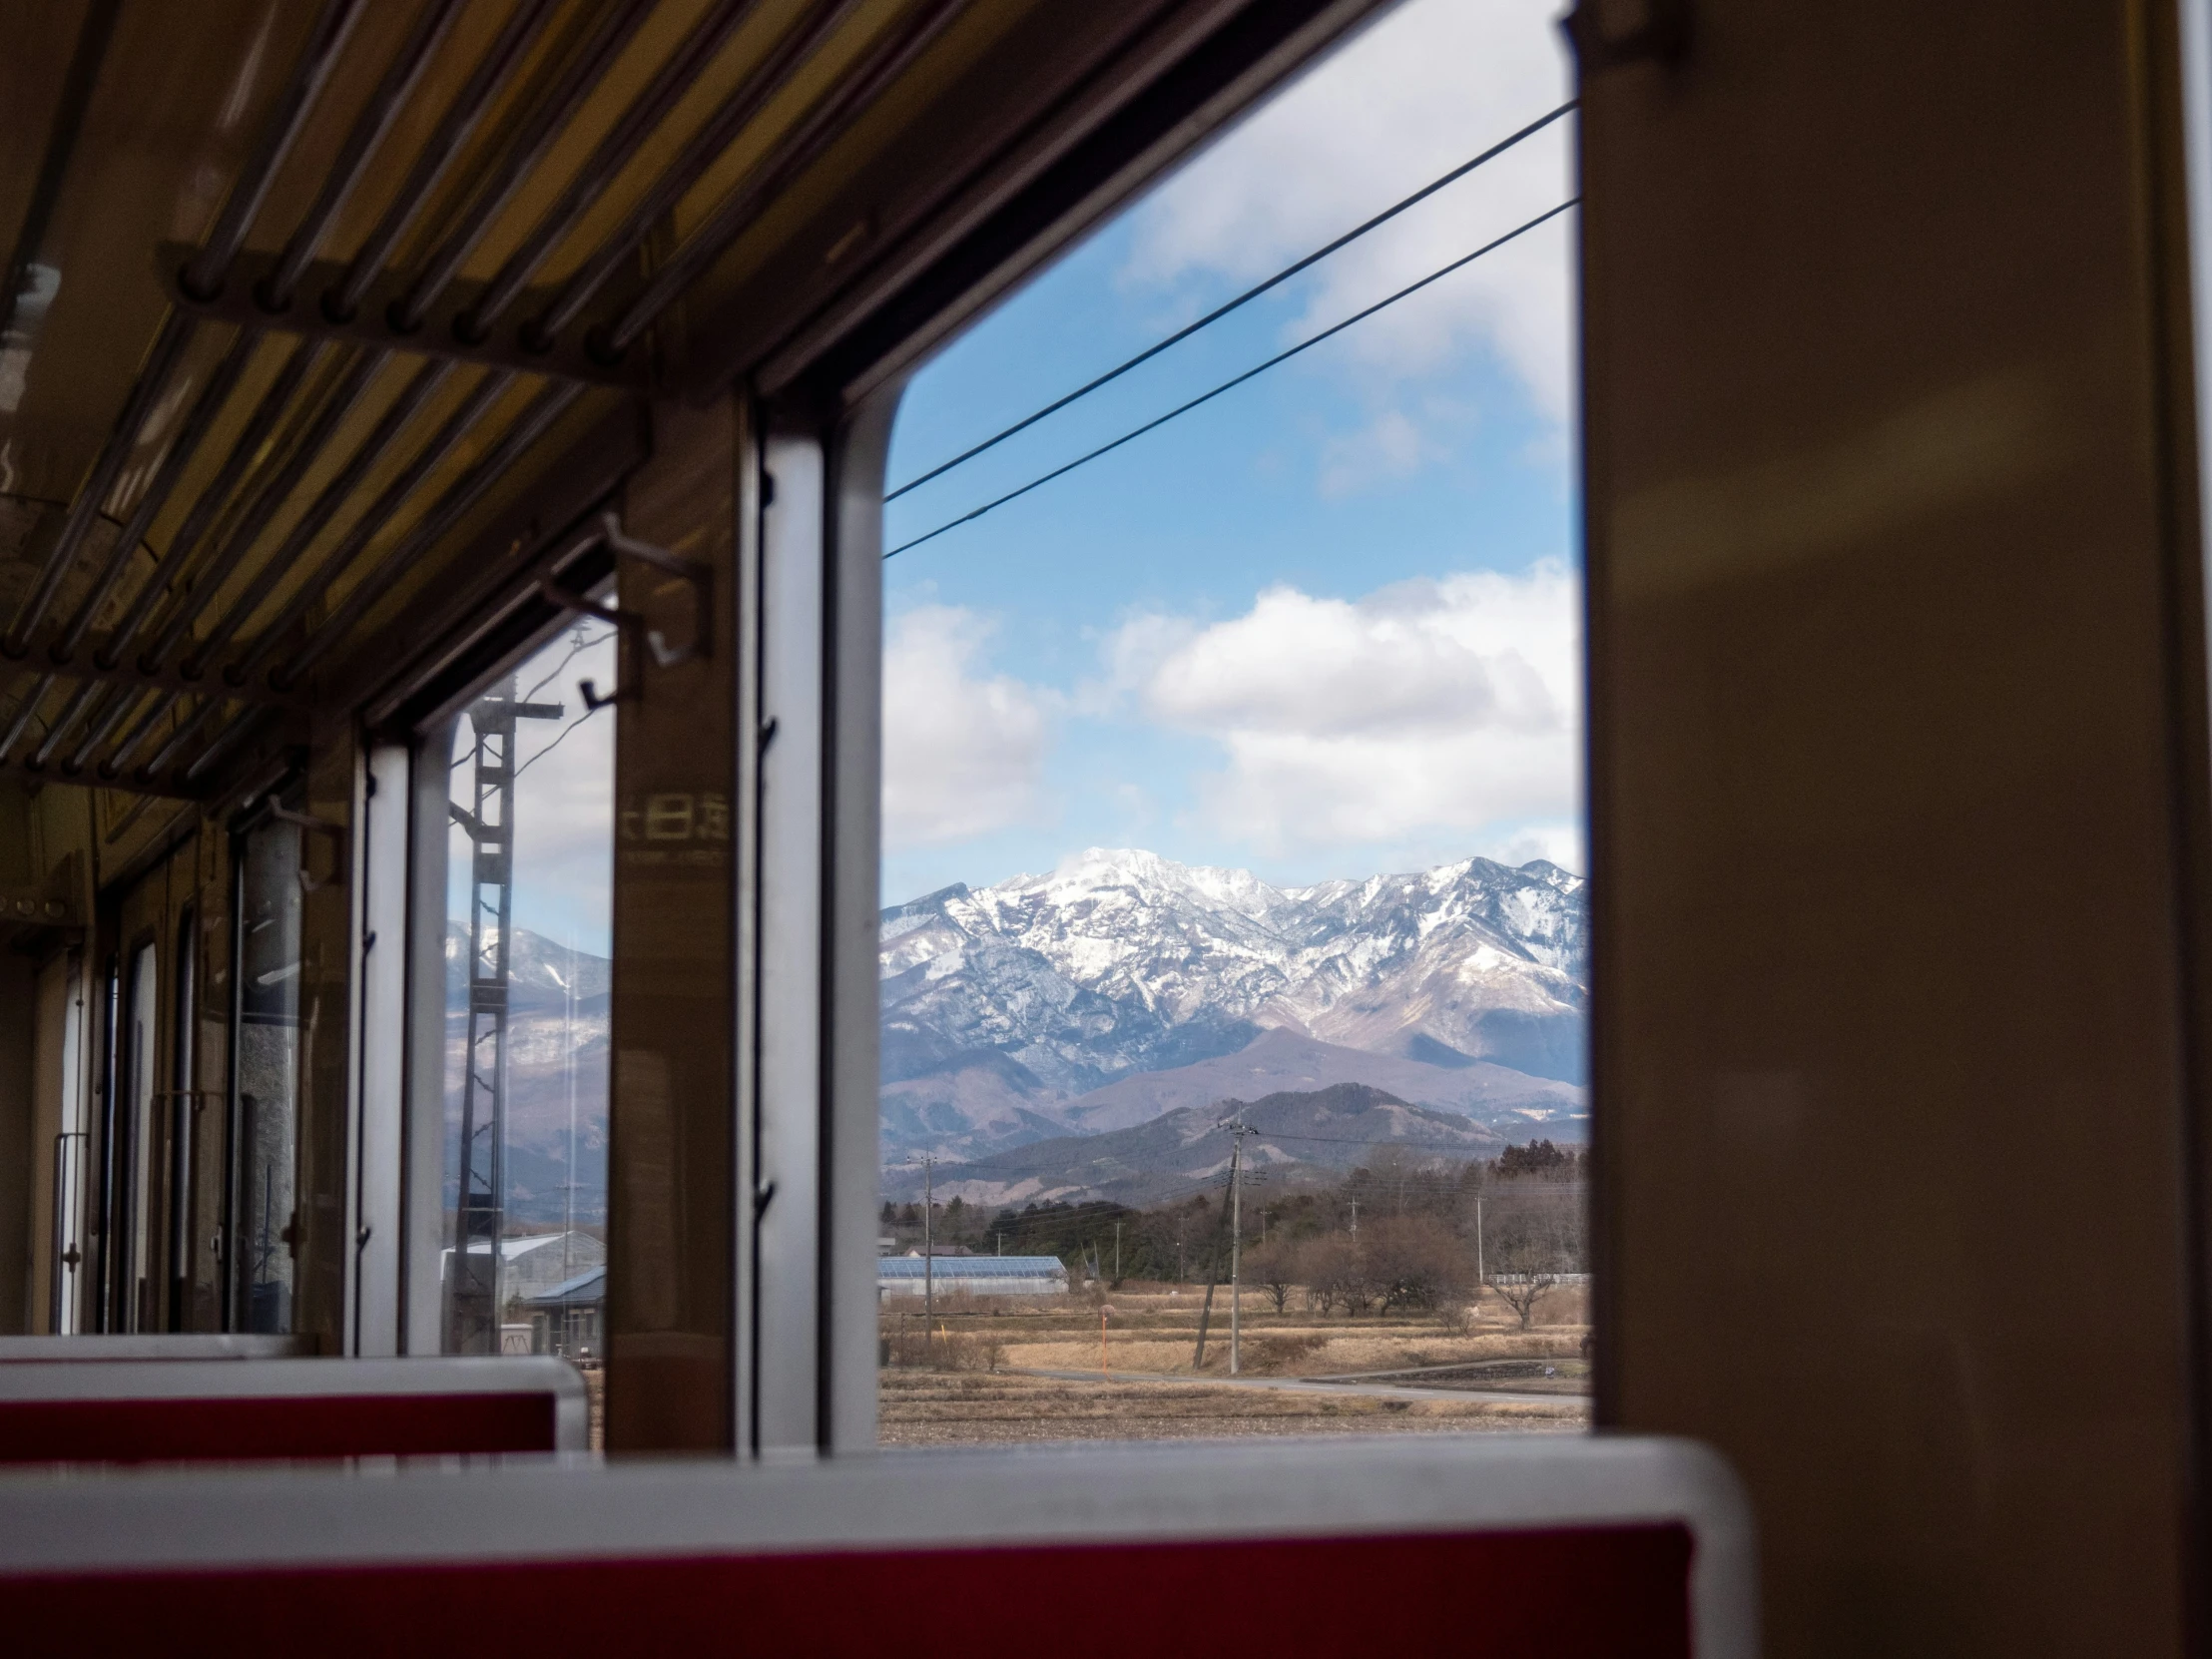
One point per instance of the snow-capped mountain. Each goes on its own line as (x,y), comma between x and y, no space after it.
(543,976)
(557,1050)
(1003,1005)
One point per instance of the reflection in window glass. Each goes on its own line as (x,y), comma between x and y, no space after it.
(1234,971)
(141,1268)
(267,1074)
(183,1110)
(528,978)
(61,1012)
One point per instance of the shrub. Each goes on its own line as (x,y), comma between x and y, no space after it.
(1273,1270)
(1278,1353)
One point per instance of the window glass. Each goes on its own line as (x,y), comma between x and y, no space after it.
(1233,962)
(264,1248)
(106,1233)
(528,978)
(62,990)
(183,1115)
(141,1258)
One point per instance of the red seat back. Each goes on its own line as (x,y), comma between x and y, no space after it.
(131,1411)
(1553,1545)
(1619,1592)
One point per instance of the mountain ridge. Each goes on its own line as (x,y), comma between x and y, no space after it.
(1280,1061)
(1187,1150)
(1004,1005)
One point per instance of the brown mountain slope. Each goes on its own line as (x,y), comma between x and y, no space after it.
(1301,1134)
(1282,1061)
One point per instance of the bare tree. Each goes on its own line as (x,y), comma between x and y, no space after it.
(1535,1241)
(1334,1269)
(1412,1262)
(1273,1268)
(1354,1285)
(1520,1288)
(1318,1292)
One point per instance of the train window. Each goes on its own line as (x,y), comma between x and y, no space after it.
(182,1099)
(63,1135)
(105,1220)
(1233,965)
(139,1269)
(528,957)
(263,1243)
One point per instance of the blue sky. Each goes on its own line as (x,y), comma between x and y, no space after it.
(1323,626)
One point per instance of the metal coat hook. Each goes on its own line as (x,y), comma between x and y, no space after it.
(632,624)
(337,833)
(1606,33)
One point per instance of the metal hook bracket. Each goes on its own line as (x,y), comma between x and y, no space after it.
(337,833)
(633,625)
(1606,33)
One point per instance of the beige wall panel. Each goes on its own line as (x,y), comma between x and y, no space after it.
(322,1250)
(18,1126)
(671,1169)
(208,1169)
(1889,989)
(19,1256)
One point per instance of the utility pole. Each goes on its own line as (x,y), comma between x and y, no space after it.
(1117,1252)
(1236,1242)
(1237,1130)
(1478,1273)
(1355,1215)
(473,1310)
(1002,1241)
(928,1252)
(568,1187)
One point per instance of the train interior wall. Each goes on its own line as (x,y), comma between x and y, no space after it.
(1897,782)
(1900,835)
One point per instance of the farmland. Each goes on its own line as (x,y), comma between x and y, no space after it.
(997,1370)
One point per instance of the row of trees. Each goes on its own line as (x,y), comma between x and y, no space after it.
(1073,1232)
(1403,1264)
(1398,1233)
(1413,1263)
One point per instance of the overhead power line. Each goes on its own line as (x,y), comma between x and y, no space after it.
(1230,385)
(557,742)
(1378,1145)
(1243,298)
(583,640)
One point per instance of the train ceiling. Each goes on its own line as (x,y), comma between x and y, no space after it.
(323,318)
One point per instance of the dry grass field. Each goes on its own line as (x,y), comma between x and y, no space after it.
(977,1408)
(969,1377)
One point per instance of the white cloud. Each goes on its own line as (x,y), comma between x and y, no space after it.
(1130,655)
(1427,707)
(1563,844)
(1390,446)
(1430,86)
(963,754)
